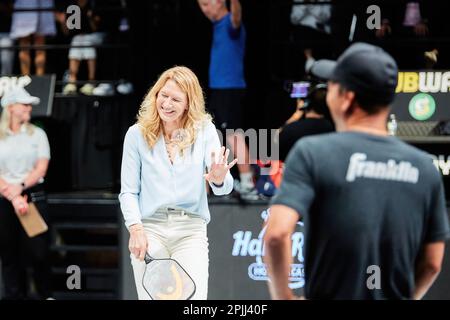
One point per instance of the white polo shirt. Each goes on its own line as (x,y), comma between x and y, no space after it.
(19,153)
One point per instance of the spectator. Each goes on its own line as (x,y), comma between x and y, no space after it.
(349,23)
(107,31)
(227,84)
(32,27)
(311,29)
(406,27)
(24,158)
(84,38)
(409,22)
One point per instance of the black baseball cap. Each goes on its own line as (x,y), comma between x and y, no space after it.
(366,69)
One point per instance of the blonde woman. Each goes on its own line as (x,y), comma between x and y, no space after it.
(163,195)
(24,158)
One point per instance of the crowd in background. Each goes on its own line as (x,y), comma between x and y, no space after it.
(29,29)
(412,31)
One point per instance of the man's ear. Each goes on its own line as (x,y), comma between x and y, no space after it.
(348,104)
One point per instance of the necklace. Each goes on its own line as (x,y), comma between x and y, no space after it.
(172,143)
(171,148)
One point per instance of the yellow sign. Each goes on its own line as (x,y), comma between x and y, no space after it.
(425,82)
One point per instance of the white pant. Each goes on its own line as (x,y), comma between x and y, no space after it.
(180,237)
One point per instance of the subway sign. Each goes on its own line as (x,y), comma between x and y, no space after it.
(422,96)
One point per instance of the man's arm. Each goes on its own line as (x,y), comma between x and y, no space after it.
(236,13)
(278,251)
(294,198)
(428,267)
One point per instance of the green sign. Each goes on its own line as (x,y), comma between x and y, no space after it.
(422,106)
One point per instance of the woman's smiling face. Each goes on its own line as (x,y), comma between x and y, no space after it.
(171,102)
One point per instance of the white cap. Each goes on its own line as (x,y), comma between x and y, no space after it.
(18,95)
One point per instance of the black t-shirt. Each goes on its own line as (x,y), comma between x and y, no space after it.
(366,201)
(301,128)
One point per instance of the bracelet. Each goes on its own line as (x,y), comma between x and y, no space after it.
(218,185)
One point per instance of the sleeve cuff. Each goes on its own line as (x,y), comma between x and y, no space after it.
(441,236)
(285,201)
(225,188)
(129,223)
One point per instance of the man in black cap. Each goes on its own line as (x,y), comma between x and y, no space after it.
(373,207)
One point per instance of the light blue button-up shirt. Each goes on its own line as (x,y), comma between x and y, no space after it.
(149,180)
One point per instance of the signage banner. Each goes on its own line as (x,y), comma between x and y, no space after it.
(422,96)
(39,86)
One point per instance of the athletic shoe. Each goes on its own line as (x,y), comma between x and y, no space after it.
(87,89)
(69,88)
(246,193)
(104,89)
(125,88)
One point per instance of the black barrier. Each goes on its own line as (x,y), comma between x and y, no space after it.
(235,244)
(89,131)
(237,270)
(439,152)
(233,229)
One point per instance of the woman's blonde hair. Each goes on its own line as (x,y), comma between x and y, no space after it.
(5,119)
(195,117)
